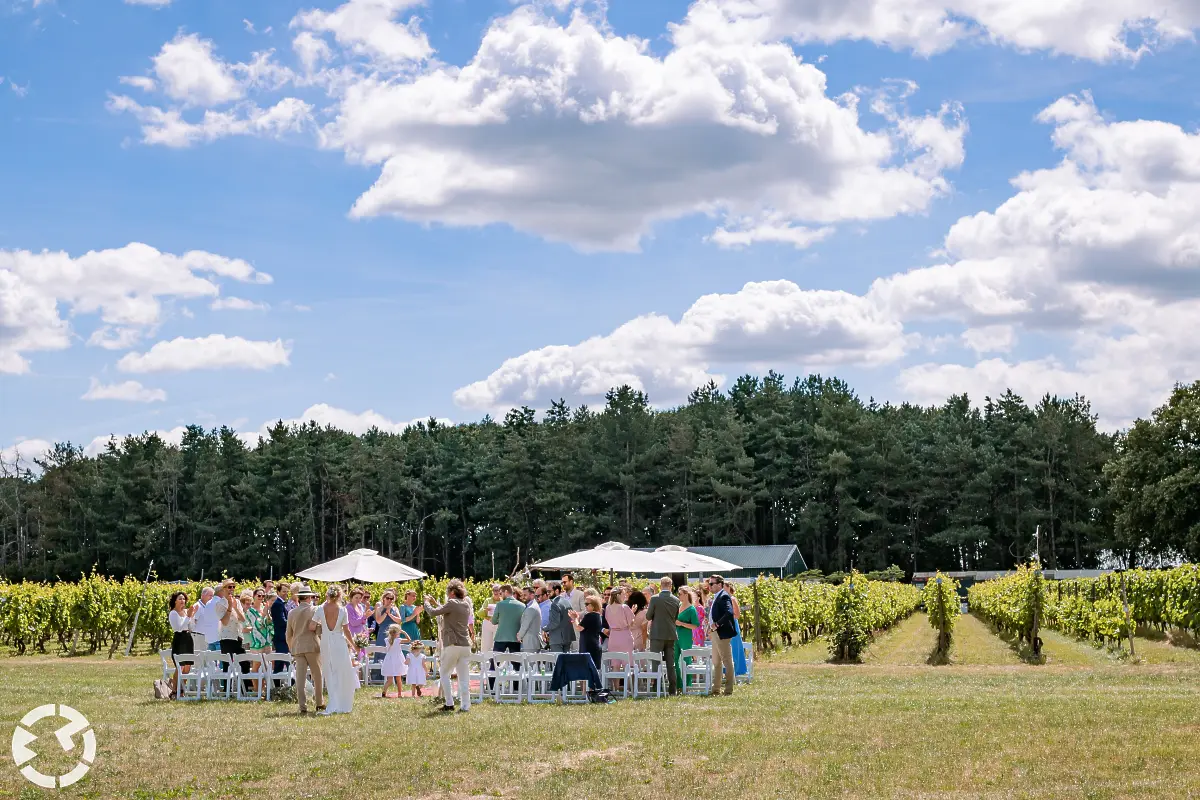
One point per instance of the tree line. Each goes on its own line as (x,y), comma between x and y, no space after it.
(853,483)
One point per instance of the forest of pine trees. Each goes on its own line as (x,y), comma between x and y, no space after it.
(849,482)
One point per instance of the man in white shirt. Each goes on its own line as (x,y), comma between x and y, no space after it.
(208,618)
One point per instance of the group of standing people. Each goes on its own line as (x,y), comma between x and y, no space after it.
(560,617)
(328,641)
(324,640)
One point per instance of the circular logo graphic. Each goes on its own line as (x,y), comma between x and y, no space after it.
(76,723)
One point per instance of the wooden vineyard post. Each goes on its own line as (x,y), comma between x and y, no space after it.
(1128,617)
(1035,641)
(758,631)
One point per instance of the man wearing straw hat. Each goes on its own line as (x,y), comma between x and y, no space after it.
(305,647)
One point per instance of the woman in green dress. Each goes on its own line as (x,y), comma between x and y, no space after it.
(257,632)
(687,621)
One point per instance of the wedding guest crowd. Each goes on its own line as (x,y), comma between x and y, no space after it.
(543,615)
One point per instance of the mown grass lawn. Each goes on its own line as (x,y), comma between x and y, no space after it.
(1084,725)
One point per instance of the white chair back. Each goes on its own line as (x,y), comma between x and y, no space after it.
(281,670)
(168,669)
(748,650)
(220,679)
(617,667)
(191,685)
(539,674)
(372,669)
(510,678)
(251,681)
(695,667)
(649,674)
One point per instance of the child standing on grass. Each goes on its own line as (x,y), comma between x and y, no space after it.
(393,661)
(416,668)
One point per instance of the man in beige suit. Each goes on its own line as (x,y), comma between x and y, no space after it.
(305,646)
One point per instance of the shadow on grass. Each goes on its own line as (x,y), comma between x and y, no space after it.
(1016,644)
(938,658)
(1176,637)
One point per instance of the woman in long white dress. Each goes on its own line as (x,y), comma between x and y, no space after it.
(337,644)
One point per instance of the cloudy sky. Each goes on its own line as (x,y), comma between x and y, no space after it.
(365,213)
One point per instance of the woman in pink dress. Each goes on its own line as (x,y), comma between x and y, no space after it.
(698,631)
(637,629)
(356,615)
(619,619)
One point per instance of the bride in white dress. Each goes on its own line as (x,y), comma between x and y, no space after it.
(336,646)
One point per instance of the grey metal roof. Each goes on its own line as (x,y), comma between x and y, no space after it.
(987,575)
(765,556)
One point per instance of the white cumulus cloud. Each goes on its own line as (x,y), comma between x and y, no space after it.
(236,304)
(1101,253)
(773,323)
(123,287)
(371,28)
(129,391)
(189,71)
(570,132)
(215,351)
(1100,31)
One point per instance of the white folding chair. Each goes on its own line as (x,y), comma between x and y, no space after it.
(251,678)
(695,667)
(281,676)
(372,670)
(168,669)
(510,678)
(191,685)
(432,665)
(220,681)
(487,671)
(539,674)
(748,649)
(649,675)
(617,667)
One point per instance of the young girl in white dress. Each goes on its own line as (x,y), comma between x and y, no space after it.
(394,664)
(416,668)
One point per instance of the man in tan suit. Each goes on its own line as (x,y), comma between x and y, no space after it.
(305,647)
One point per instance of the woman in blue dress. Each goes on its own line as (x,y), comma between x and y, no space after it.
(739,652)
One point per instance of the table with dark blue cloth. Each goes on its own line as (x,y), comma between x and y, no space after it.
(572,667)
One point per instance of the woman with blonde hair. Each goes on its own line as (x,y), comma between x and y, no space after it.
(687,621)
(333,629)
(589,626)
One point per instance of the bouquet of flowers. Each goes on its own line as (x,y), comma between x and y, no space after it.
(361,640)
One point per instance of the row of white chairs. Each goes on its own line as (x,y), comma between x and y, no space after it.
(216,676)
(507,677)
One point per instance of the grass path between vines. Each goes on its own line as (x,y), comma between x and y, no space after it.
(909,643)
(814,730)
(1155,647)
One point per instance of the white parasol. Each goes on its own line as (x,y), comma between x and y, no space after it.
(687,561)
(611,557)
(362,565)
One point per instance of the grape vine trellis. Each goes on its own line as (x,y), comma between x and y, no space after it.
(1091,608)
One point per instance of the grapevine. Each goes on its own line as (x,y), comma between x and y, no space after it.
(941,602)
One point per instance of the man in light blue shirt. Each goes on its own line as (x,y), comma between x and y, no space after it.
(543,601)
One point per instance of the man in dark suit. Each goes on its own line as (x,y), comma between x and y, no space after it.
(661,614)
(561,630)
(721,623)
(279,617)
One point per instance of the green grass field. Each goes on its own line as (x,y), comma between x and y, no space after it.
(1086,724)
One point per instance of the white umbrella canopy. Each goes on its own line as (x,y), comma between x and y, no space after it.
(362,565)
(687,561)
(611,557)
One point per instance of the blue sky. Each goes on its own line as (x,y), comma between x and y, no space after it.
(452,242)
